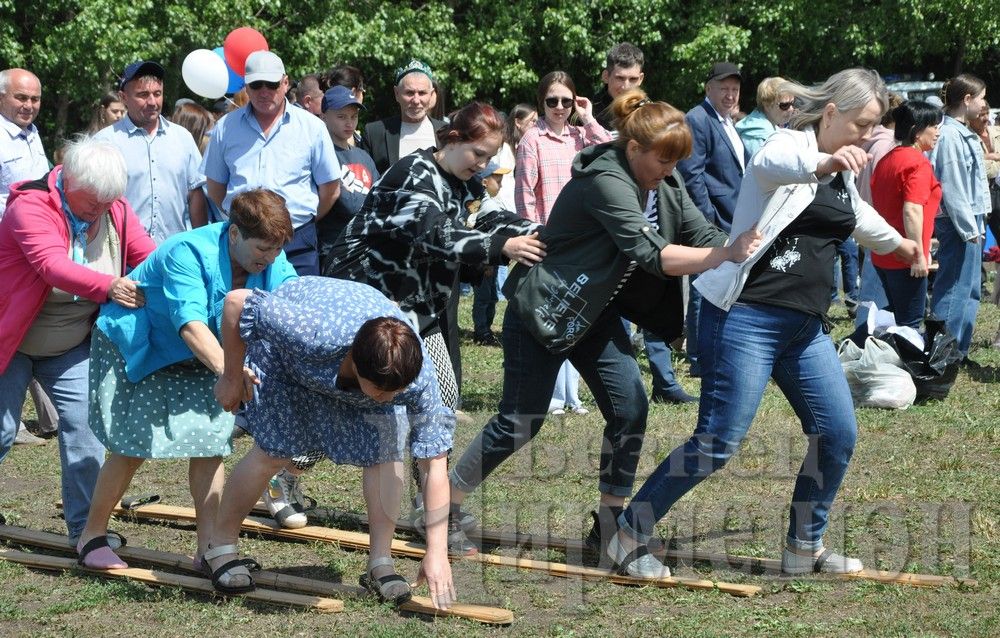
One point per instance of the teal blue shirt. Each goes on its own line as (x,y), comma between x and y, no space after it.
(185,279)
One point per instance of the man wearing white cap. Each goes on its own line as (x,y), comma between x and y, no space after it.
(268,144)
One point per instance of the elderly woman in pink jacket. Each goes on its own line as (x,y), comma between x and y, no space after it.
(67,241)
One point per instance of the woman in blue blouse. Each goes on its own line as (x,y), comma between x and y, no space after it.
(153,369)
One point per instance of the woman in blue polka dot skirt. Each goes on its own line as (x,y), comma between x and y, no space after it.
(338,368)
(153,369)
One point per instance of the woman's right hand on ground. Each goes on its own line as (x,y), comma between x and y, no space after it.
(435,570)
(525,249)
(846,158)
(127,293)
(745,245)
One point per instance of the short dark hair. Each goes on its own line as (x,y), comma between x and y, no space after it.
(261,214)
(912,118)
(625,55)
(343,75)
(386,351)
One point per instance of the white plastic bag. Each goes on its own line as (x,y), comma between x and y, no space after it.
(876,376)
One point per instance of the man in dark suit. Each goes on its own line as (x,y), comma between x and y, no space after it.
(715,169)
(413,129)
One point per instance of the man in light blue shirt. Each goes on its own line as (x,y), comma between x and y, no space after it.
(21,153)
(164,174)
(268,144)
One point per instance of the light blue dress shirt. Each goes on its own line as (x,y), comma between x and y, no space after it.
(185,279)
(291,160)
(21,157)
(163,169)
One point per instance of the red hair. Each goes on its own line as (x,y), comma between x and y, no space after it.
(470,123)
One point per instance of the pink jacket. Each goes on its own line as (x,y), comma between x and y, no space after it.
(34,258)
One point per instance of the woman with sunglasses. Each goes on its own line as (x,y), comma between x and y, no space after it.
(623,228)
(773,111)
(765,318)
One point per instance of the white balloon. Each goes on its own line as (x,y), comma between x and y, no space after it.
(205,74)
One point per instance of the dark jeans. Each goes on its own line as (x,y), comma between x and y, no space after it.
(303,251)
(605,361)
(484,305)
(907,295)
(848,253)
(691,326)
(660,366)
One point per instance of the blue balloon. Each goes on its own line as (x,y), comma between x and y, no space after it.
(235,81)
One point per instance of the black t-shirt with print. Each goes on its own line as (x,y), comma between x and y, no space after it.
(797,269)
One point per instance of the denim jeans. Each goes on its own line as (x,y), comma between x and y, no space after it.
(484,305)
(566,392)
(605,361)
(65,379)
(302,251)
(871,289)
(502,272)
(848,253)
(660,365)
(955,297)
(907,295)
(754,342)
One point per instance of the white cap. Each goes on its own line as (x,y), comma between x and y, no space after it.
(264,65)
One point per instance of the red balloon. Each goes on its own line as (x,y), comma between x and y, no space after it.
(239,44)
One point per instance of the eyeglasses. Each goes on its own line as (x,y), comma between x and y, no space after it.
(784,106)
(259,84)
(553,102)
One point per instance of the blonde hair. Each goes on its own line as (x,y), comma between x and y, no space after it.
(653,125)
(848,89)
(769,90)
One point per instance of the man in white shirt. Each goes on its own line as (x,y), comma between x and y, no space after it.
(413,129)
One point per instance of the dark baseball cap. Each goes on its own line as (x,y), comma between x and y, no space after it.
(723,70)
(140,69)
(337,97)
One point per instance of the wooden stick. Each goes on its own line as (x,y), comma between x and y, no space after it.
(359,540)
(160,579)
(733,561)
(417,604)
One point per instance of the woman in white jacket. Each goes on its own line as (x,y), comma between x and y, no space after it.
(766,318)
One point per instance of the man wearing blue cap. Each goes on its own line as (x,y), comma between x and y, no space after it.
(164,178)
(413,129)
(268,144)
(357,169)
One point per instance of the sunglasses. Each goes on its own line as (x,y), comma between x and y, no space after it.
(553,102)
(784,106)
(259,84)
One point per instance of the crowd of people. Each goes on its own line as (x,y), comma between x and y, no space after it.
(168,279)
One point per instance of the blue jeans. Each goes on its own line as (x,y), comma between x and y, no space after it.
(502,272)
(907,295)
(871,289)
(605,361)
(955,297)
(848,253)
(660,365)
(484,305)
(65,379)
(754,342)
(566,392)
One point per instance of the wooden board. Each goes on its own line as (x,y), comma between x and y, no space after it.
(731,561)
(359,540)
(417,604)
(160,579)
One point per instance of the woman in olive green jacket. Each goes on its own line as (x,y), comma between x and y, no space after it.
(619,231)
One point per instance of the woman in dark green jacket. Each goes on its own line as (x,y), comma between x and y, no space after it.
(620,230)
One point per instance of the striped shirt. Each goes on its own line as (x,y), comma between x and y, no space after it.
(544,160)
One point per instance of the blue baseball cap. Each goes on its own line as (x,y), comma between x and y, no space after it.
(140,69)
(337,97)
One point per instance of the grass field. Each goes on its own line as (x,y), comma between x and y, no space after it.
(921,496)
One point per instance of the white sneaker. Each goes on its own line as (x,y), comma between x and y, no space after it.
(639,563)
(827,562)
(580,410)
(557,412)
(284,500)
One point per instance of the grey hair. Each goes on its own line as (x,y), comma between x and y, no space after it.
(96,167)
(5,77)
(848,89)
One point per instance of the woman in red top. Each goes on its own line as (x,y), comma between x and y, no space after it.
(906,193)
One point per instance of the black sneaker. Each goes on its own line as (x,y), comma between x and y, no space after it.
(604,528)
(488,339)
